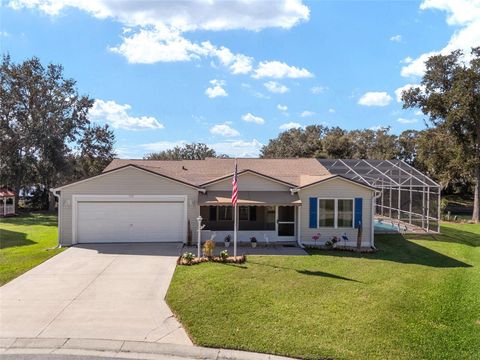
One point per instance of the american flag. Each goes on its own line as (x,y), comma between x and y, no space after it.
(234,186)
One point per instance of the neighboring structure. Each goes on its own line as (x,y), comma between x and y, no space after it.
(280,200)
(7,202)
(407,195)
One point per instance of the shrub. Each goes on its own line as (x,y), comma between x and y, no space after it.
(188,257)
(224,255)
(253,239)
(328,243)
(208,248)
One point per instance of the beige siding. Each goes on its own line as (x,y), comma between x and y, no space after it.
(341,189)
(127,181)
(249,182)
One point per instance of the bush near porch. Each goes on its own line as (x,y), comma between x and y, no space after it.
(25,241)
(418,297)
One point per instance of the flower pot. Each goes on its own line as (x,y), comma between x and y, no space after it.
(254,244)
(227,243)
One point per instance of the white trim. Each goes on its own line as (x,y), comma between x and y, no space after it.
(124,168)
(335,177)
(128,198)
(226,177)
(335,213)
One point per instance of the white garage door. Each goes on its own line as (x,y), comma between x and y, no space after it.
(118,221)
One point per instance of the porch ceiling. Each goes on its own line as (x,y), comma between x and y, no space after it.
(258,198)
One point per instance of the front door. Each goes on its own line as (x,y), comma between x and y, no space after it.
(286,223)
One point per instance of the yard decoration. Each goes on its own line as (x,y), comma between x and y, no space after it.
(316,237)
(253,240)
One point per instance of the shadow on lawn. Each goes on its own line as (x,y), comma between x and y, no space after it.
(451,235)
(307,272)
(36,218)
(398,249)
(13,238)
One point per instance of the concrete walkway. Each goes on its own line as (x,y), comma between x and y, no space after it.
(102,291)
(122,349)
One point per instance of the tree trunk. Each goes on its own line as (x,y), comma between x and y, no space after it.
(476,196)
(51,202)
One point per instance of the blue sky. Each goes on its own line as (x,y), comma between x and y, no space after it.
(234,74)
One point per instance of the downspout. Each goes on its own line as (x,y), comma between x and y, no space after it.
(372,234)
(56,193)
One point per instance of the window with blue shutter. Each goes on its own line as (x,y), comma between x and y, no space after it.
(358,212)
(313,212)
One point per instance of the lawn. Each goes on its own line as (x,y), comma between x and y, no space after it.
(417,298)
(25,242)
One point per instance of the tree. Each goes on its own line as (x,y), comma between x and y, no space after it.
(450,95)
(337,144)
(295,143)
(42,121)
(194,151)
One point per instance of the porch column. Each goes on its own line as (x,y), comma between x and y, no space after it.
(299,224)
(4,206)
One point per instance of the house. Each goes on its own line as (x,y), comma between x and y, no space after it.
(280,200)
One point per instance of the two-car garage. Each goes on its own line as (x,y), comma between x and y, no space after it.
(128,219)
(124,219)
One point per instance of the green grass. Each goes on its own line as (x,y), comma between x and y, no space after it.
(24,243)
(417,298)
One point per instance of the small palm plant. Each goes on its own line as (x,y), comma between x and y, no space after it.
(208,248)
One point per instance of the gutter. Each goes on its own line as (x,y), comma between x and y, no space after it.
(374,198)
(56,193)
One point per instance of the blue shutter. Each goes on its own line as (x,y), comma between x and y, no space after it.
(313,212)
(358,212)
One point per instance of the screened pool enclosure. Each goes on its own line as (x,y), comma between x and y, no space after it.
(406,195)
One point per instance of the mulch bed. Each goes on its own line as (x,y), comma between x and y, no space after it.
(343,248)
(229,260)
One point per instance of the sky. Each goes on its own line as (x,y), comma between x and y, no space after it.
(234,74)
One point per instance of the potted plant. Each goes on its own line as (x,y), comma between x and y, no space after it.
(253,240)
(226,241)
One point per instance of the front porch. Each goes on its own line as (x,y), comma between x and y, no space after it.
(270,218)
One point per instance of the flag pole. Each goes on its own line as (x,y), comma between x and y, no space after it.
(235,231)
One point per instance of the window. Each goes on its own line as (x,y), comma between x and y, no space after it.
(326,212)
(344,213)
(243,213)
(212,213)
(225,213)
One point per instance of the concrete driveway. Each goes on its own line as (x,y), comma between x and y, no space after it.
(102,291)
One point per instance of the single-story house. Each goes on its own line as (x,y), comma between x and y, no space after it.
(280,200)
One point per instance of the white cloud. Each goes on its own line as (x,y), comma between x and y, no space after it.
(373,98)
(275,87)
(407,121)
(331,110)
(238,148)
(290,125)
(117,115)
(185,15)
(217,89)
(155,29)
(465,15)
(418,113)
(278,70)
(318,89)
(282,108)
(307,113)
(4,34)
(224,130)
(396,38)
(252,118)
(162,145)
